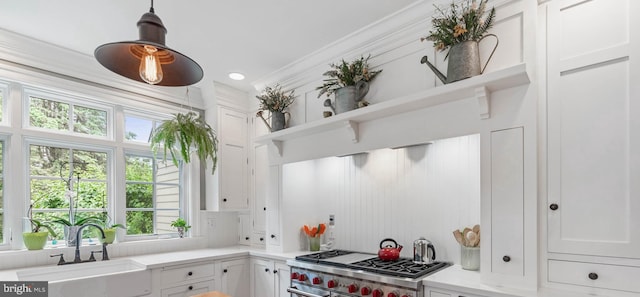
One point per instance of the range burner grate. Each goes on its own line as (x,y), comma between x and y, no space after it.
(403,267)
(316,257)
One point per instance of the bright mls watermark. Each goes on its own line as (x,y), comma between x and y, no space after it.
(24,289)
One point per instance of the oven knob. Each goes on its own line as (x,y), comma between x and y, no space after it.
(378,293)
(317,280)
(352,288)
(294,275)
(332,284)
(393,294)
(302,277)
(365,291)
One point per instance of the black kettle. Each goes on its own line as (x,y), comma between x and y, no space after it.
(423,251)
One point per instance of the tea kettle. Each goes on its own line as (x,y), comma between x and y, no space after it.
(423,251)
(389,252)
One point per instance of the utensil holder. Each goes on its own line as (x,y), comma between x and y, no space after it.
(314,243)
(470,257)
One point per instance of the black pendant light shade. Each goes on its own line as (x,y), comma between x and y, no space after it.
(166,67)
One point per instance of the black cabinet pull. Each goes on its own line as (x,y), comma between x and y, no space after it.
(593,276)
(506,258)
(275,271)
(189,273)
(265,208)
(246,238)
(273,236)
(553,206)
(261,238)
(225,271)
(224,200)
(190,288)
(266,270)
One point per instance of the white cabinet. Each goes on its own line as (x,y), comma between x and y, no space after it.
(234,277)
(507,202)
(260,190)
(437,292)
(244,229)
(593,137)
(273,206)
(185,280)
(269,278)
(232,160)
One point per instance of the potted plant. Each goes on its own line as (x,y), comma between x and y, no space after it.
(183,133)
(37,238)
(181,225)
(459,29)
(275,101)
(349,82)
(109,230)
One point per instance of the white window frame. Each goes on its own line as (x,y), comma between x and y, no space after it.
(4,90)
(5,243)
(72,100)
(155,118)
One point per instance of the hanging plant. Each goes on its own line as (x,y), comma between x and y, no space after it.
(184,133)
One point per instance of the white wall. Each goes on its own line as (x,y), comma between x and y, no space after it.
(428,190)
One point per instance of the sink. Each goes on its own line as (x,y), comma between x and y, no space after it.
(117,278)
(79,271)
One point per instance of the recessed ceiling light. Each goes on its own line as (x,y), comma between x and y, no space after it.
(236,76)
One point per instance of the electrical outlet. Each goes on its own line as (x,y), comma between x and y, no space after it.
(211,223)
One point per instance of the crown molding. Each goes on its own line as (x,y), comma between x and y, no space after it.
(62,62)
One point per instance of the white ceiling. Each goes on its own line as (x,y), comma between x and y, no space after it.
(255,37)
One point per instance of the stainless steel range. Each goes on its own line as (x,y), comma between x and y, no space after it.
(347,273)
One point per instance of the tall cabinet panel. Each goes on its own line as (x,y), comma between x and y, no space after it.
(232,161)
(593,129)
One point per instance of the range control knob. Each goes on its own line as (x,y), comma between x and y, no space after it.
(294,275)
(302,277)
(316,280)
(378,293)
(352,288)
(332,283)
(393,294)
(365,291)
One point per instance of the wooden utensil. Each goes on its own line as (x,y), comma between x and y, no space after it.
(458,235)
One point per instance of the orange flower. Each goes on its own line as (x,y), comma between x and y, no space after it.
(459,30)
(315,231)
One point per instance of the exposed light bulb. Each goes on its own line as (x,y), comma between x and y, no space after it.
(150,70)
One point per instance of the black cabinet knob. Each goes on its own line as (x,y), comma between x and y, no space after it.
(225,271)
(266,270)
(275,271)
(593,276)
(261,238)
(506,258)
(553,206)
(265,208)
(246,238)
(273,236)
(189,273)
(224,200)
(190,288)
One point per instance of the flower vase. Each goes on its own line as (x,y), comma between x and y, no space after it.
(314,243)
(347,98)
(70,233)
(277,121)
(470,257)
(181,232)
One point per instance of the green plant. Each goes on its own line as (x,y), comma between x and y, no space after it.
(78,222)
(180,223)
(36,225)
(346,74)
(461,22)
(182,133)
(274,99)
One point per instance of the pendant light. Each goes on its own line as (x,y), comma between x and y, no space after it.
(149,59)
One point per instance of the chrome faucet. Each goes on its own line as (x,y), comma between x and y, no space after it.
(77,259)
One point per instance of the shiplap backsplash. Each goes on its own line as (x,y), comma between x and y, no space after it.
(427,190)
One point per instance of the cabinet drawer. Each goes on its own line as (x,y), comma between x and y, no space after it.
(615,277)
(179,274)
(189,289)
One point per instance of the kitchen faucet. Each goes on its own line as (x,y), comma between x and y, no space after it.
(77,259)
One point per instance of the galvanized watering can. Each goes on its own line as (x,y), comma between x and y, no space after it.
(464,61)
(279,120)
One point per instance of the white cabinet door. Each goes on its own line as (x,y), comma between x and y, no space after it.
(232,162)
(262,278)
(273,206)
(283,279)
(189,289)
(593,128)
(507,202)
(244,229)
(260,175)
(235,275)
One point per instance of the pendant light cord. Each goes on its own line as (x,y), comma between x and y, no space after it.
(151,10)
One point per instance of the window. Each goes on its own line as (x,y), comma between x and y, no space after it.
(65,116)
(153,195)
(2,241)
(59,176)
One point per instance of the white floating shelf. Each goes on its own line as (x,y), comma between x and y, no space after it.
(479,87)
